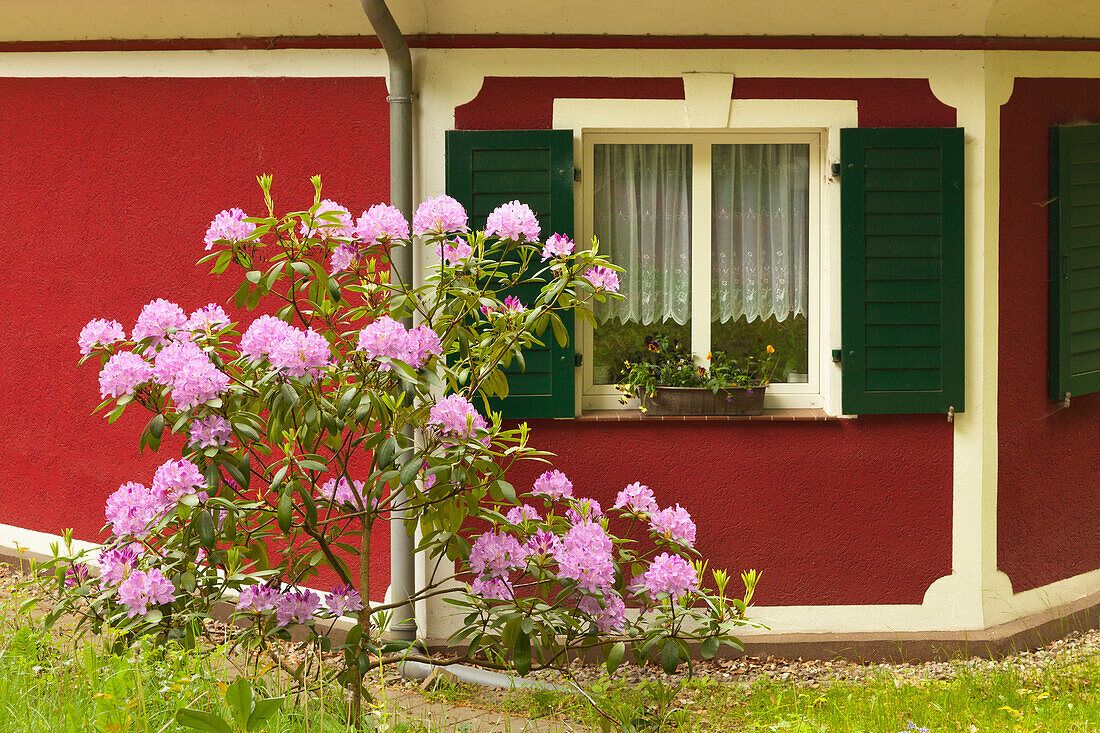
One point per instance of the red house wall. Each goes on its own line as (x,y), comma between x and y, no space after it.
(121,178)
(1047,508)
(846,512)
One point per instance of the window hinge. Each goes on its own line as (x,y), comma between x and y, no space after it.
(577,175)
(836,170)
(578,359)
(838,354)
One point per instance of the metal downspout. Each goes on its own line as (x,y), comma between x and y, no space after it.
(400,100)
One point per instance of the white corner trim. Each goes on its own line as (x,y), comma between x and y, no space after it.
(705,99)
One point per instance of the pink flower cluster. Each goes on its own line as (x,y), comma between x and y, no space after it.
(326,228)
(520,514)
(496,553)
(455,416)
(511,305)
(558,245)
(514,221)
(439,215)
(156,318)
(99,333)
(342,492)
(177,479)
(385,337)
(296,352)
(296,606)
(123,373)
(343,599)
(554,485)
(455,252)
(674,523)
(229,225)
(211,432)
(209,318)
(669,575)
(585,556)
(258,598)
(603,278)
(609,618)
(116,563)
(582,510)
(143,589)
(131,508)
(190,374)
(381,223)
(637,498)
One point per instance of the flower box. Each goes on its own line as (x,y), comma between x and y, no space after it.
(702,401)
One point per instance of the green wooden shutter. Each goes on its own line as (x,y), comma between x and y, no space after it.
(902,270)
(1074,260)
(489,168)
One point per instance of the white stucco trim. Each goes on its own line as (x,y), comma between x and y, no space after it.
(189,64)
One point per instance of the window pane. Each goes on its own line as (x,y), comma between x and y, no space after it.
(642,218)
(760,252)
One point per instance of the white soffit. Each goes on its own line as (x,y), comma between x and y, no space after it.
(60,20)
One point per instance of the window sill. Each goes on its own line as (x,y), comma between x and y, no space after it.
(808,414)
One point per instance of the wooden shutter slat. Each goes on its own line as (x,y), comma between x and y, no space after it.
(902,257)
(486,169)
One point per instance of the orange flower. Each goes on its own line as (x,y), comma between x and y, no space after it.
(771,349)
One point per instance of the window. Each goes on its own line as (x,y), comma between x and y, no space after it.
(718,236)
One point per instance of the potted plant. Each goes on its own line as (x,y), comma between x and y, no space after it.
(667,381)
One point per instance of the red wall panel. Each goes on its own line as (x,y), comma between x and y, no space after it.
(1048,516)
(851,512)
(122,177)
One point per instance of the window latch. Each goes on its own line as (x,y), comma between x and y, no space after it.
(835,169)
(577,175)
(578,359)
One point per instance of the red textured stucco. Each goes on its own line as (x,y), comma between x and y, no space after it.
(109,185)
(1048,516)
(849,512)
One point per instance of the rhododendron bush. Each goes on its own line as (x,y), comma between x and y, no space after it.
(362,394)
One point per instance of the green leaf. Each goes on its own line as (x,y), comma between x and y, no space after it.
(264,709)
(156,426)
(253,276)
(615,657)
(286,505)
(351,641)
(670,656)
(300,267)
(245,469)
(709,647)
(521,654)
(408,472)
(308,503)
(288,393)
(239,697)
(311,465)
(199,720)
(206,529)
(559,330)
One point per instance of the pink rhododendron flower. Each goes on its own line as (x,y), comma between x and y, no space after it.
(228,225)
(262,335)
(439,215)
(343,257)
(344,599)
(637,498)
(385,337)
(603,278)
(342,492)
(669,575)
(558,245)
(520,514)
(492,587)
(584,509)
(76,575)
(194,379)
(611,618)
(99,332)
(381,223)
(258,598)
(115,564)
(542,543)
(455,252)
(301,353)
(143,589)
(514,221)
(674,523)
(211,432)
(123,373)
(496,553)
(296,606)
(585,556)
(156,318)
(131,508)
(554,484)
(454,415)
(208,318)
(423,342)
(325,228)
(511,305)
(176,479)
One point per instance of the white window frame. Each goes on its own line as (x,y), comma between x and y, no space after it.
(825,117)
(779,395)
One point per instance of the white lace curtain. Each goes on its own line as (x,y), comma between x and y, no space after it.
(642,217)
(759,254)
(760,232)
